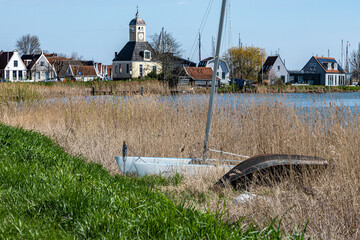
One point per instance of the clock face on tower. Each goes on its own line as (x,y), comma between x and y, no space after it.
(141,36)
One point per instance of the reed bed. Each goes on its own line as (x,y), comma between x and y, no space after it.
(22,91)
(153,126)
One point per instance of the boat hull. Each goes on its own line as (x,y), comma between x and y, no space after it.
(128,166)
(169,169)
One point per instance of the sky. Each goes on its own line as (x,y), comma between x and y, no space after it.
(96,29)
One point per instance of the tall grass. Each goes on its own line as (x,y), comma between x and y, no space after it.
(153,127)
(48,194)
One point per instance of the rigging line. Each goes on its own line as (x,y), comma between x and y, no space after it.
(228,153)
(230,33)
(202,22)
(201,27)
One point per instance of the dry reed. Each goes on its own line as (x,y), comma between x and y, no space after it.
(151,126)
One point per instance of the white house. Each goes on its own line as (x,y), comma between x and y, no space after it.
(39,68)
(12,67)
(223,71)
(274,68)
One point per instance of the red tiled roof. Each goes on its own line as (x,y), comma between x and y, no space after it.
(53,59)
(199,73)
(85,70)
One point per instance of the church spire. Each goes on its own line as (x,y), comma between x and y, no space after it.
(137,11)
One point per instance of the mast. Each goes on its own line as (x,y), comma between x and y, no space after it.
(347,53)
(358,61)
(213,46)
(342,52)
(199,47)
(239,41)
(216,66)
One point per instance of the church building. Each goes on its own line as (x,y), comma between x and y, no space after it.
(137,58)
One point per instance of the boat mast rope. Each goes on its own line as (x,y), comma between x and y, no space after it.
(228,153)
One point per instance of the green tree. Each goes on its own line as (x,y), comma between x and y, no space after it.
(245,62)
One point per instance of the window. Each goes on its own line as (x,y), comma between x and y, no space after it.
(127,68)
(120,68)
(7,75)
(116,69)
(15,63)
(147,55)
(46,75)
(20,75)
(37,75)
(223,75)
(42,63)
(154,69)
(14,75)
(278,68)
(141,70)
(312,66)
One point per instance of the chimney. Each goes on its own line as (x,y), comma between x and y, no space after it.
(115,54)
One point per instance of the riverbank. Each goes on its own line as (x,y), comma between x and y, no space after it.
(49,194)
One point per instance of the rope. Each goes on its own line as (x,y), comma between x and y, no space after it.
(233,154)
(201,28)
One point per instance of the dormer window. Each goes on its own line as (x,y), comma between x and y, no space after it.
(15,63)
(147,55)
(42,63)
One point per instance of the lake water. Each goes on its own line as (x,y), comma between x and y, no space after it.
(308,101)
(303,100)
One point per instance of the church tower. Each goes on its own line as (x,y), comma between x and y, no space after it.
(137,29)
(137,58)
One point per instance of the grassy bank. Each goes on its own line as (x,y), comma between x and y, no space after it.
(47,194)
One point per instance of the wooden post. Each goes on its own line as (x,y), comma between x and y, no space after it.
(142,91)
(93,91)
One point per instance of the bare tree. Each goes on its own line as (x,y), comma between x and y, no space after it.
(355,64)
(167,48)
(75,56)
(28,44)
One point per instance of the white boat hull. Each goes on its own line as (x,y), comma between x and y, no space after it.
(168,169)
(129,167)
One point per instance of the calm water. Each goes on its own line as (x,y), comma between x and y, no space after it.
(301,100)
(308,101)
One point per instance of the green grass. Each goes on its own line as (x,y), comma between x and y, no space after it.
(47,194)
